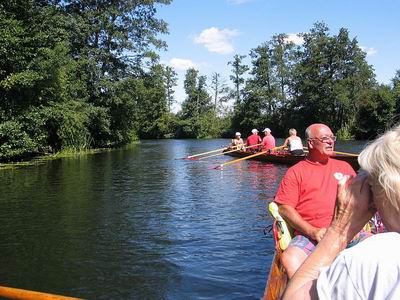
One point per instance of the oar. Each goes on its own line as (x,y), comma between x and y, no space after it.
(338,152)
(13,293)
(204,153)
(212,155)
(221,166)
(346,153)
(252,146)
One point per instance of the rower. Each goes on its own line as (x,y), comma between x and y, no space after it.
(294,143)
(268,141)
(253,141)
(237,142)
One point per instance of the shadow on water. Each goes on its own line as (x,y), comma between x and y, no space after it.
(138,223)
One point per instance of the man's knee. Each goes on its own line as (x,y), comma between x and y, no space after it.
(292,258)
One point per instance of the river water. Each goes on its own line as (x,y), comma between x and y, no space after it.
(140,223)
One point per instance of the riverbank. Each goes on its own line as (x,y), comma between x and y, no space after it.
(64,153)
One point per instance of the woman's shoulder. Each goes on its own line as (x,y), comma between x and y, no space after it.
(377,244)
(368,268)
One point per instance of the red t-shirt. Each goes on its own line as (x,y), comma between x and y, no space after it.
(268,142)
(253,139)
(311,189)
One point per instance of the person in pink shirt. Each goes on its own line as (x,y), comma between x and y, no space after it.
(268,141)
(253,141)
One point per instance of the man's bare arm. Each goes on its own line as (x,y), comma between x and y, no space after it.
(297,222)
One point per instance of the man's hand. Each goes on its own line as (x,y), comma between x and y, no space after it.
(318,234)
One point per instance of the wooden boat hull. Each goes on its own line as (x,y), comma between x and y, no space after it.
(287,159)
(277,279)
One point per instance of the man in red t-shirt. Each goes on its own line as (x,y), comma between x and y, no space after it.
(253,141)
(307,195)
(268,141)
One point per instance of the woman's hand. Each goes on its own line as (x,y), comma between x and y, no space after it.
(353,206)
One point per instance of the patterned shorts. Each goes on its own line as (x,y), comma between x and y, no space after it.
(308,245)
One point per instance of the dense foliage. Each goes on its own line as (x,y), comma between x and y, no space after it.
(78,74)
(81,74)
(326,79)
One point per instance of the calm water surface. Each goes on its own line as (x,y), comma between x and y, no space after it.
(140,223)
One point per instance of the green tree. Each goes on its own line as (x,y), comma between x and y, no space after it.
(376,112)
(79,73)
(237,77)
(170,81)
(220,92)
(15,143)
(117,35)
(396,91)
(114,41)
(197,103)
(330,77)
(190,107)
(153,104)
(33,56)
(260,91)
(283,58)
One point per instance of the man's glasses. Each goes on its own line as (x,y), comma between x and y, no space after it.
(325,139)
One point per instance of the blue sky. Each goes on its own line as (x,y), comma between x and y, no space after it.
(206,34)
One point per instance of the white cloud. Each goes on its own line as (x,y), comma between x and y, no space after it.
(216,40)
(294,38)
(238,2)
(181,64)
(370,51)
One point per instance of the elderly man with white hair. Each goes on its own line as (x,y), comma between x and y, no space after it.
(307,193)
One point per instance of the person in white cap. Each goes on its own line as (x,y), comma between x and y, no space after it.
(237,142)
(253,141)
(268,141)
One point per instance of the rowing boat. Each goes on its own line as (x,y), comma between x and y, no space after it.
(277,279)
(283,157)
